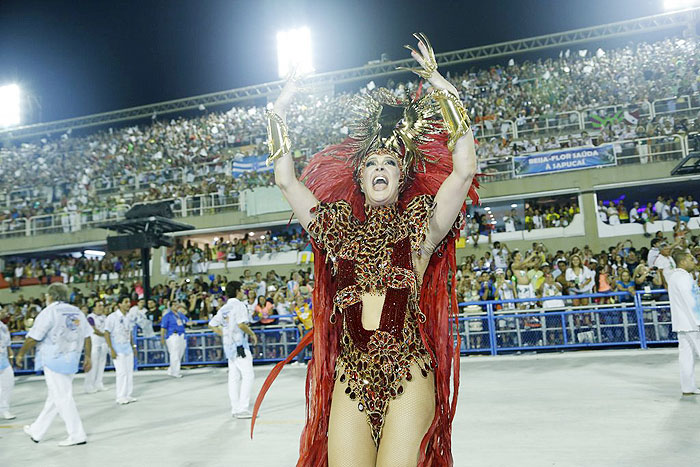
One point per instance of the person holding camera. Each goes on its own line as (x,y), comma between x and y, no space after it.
(684,296)
(231,323)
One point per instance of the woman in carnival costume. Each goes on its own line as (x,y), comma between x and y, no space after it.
(383,209)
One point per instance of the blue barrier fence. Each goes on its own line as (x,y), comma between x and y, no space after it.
(617,319)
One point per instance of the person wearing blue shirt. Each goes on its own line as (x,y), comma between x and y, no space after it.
(61,331)
(172,336)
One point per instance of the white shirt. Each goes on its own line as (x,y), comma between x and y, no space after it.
(60,329)
(229,316)
(500,258)
(552,290)
(98,322)
(120,328)
(5,340)
(659,207)
(684,296)
(634,214)
(138,317)
(260,288)
(509,223)
(579,279)
(664,263)
(602,213)
(651,257)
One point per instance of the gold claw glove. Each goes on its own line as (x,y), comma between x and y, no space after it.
(454,115)
(430,63)
(277,137)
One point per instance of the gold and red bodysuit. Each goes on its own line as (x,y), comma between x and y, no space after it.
(375,257)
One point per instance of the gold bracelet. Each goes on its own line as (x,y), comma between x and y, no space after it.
(454,115)
(277,137)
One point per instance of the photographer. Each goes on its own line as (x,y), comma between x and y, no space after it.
(231,323)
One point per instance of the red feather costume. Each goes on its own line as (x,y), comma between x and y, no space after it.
(330,176)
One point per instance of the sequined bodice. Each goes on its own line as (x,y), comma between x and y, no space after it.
(375,257)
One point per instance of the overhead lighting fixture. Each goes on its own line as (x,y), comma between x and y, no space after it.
(679,4)
(251,234)
(513,205)
(9,105)
(94,252)
(294,51)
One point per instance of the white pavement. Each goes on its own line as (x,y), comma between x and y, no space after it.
(596,408)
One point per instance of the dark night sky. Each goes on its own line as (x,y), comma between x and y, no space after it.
(85,57)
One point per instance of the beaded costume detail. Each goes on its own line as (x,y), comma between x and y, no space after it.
(375,257)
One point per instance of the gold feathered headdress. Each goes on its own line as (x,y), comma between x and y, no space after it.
(383,121)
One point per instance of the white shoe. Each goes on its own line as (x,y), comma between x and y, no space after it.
(71,442)
(122,401)
(694,392)
(28,431)
(90,391)
(244,414)
(8,416)
(129,400)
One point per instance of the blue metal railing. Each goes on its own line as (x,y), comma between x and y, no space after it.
(490,327)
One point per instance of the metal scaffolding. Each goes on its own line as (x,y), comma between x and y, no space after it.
(679,20)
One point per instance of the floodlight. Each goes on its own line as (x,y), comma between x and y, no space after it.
(679,4)
(294,51)
(513,205)
(9,105)
(94,253)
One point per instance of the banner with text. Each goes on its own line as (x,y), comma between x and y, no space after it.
(562,160)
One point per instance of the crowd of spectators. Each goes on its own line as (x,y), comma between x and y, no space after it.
(184,258)
(269,299)
(536,216)
(195,258)
(72,269)
(679,210)
(183,157)
(502,273)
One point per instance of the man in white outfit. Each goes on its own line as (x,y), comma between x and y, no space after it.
(137,315)
(231,323)
(61,331)
(684,296)
(120,340)
(93,378)
(172,336)
(7,374)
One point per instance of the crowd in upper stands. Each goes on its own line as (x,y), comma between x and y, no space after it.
(184,157)
(681,209)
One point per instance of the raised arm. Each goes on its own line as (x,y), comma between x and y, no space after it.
(453,191)
(297,195)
